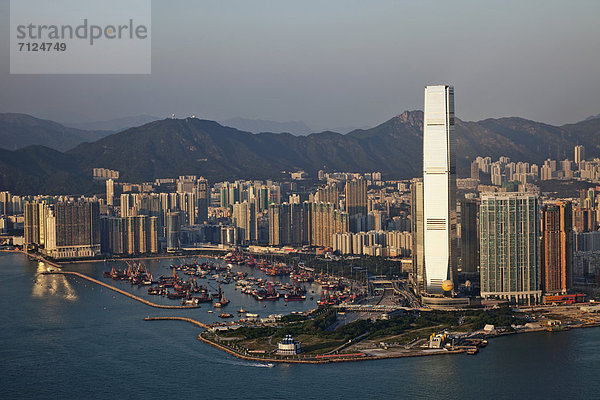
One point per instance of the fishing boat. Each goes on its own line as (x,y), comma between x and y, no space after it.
(296,294)
(269,294)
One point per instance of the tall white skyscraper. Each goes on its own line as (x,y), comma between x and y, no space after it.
(439,187)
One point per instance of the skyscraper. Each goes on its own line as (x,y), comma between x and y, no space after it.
(173,231)
(110,192)
(244,218)
(73,230)
(356,197)
(329,194)
(356,203)
(557,247)
(203,195)
(469,245)
(579,154)
(509,247)
(584,219)
(439,187)
(418,234)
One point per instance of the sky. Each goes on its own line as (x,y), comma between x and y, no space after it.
(337,63)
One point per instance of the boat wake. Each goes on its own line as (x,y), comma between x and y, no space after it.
(251,364)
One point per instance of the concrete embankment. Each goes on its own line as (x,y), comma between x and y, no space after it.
(316,360)
(190,320)
(123,292)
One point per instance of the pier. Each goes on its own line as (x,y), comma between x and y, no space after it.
(123,292)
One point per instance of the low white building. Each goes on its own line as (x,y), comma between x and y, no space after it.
(288,346)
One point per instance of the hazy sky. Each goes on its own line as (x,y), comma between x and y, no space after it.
(338,63)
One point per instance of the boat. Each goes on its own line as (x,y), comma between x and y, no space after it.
(176,295)
(210,311)
(189,302)
(241,310)
(269,294)
(222,300)
(226,315)
(296,294)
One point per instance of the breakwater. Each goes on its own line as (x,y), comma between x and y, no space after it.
(120,291)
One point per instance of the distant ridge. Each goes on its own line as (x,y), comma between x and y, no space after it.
(172,147)
(592,117)
(21,130)
(258,126)
(115,125)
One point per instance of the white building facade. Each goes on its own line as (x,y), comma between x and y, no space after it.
(439,187)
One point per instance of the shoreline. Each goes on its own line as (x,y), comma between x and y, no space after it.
(304,360)
(315,360)
(237,354)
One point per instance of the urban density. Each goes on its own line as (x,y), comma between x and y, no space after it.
(299,200)
(491,236)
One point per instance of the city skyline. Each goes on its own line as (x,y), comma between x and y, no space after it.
(238,191)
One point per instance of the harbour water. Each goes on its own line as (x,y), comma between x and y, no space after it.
(66,338)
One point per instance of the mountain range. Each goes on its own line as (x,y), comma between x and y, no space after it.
(22,130)
(114,125)
(259,125)
(172,147)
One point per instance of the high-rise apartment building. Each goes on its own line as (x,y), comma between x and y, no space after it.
(579,154)
(31,223)
(110,192)
(73,230)
(324,220)
(509,247)
(244,218)
(584,219)
(469,244)
(288,224)
(112,231)
(329,194)
(439,187)
(356,201)
(203,196)
(126,205)
(418,237)
(557,248)
(173,231)
(474,170)
(274,224)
